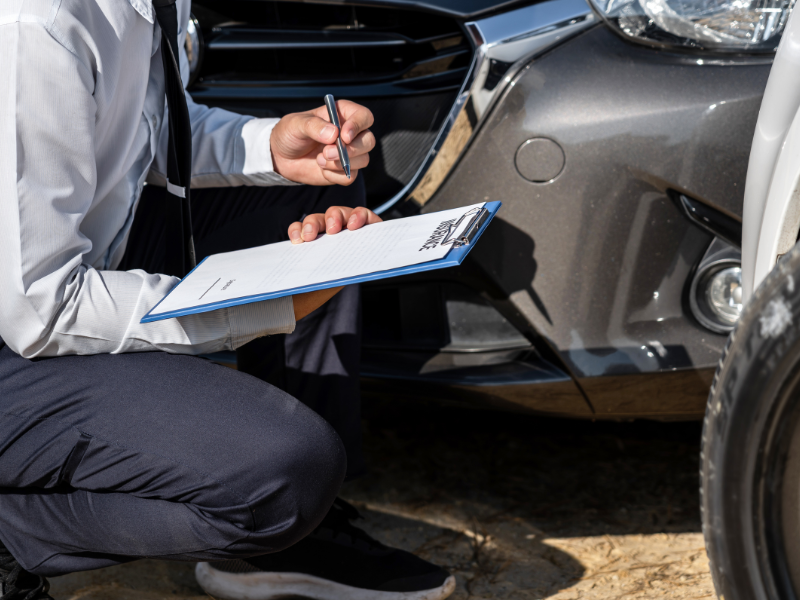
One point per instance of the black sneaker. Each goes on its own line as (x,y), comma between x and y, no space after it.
(336,562)
(16,583)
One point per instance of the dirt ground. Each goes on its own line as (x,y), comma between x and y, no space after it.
(517,507)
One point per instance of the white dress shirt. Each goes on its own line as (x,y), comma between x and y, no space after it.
(82,112)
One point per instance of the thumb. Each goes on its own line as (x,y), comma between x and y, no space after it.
(318,130)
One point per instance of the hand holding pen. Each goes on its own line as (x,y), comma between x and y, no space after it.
(304,145)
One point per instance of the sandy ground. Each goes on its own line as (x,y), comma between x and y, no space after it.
(517,507)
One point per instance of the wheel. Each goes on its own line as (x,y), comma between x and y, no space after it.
(750,460)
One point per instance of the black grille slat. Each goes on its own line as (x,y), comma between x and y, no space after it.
(234,38)
(360,42)
(299,65)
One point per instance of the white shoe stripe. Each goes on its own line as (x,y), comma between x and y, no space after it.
(269,586)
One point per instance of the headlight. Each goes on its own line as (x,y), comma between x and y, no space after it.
(719,25)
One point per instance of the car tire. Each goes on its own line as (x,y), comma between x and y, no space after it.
(750,458)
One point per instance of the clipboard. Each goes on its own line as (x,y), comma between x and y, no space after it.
(461,236)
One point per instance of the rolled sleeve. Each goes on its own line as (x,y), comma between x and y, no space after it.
(249,321)
(258,166)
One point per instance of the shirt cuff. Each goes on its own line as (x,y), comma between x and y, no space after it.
(258,165)
(268,317)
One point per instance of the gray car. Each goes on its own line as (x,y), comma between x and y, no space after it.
(616,135)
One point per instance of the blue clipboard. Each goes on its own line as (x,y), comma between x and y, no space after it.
(460,247)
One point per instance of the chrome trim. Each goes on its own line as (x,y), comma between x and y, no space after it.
(512,38)
(194,47)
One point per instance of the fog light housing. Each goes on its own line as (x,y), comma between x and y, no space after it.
(716,295)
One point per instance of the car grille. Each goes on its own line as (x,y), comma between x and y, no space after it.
(270,58)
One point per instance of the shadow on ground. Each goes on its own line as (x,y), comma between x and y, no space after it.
(516,506)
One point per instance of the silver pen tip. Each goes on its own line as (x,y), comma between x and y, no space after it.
(347,171)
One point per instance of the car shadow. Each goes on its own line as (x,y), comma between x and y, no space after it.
(510,492)
(507,254)
(632,477)
(485,556)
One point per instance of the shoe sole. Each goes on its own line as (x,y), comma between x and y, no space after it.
(269,586)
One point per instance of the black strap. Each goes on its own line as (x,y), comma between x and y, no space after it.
(180,255)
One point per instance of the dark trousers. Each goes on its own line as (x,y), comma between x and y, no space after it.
(109,458)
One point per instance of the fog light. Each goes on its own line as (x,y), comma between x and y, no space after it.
(716,295)
(724,294)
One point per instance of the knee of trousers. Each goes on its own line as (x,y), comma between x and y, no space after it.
(301,480)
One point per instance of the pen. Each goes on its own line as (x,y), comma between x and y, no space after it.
(330,103)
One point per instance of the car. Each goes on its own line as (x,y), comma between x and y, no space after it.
(616,134)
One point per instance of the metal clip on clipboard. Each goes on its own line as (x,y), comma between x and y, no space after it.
(475,219)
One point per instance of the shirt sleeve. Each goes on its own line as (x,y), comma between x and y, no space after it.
(228,149)
(51,302)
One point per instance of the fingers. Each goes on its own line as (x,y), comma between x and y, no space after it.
(354,218)
(355,133)
(363,144)
(353,117)
(338,177)
(308,230)
(300,140)
(333,221)
(315,128)
(335,218)
(358,151)
(359,162)
(295,230)
(356,118)
(362,216)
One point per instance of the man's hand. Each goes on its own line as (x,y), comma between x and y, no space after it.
(333,221)
(303,144)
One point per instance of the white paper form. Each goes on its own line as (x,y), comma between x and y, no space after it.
(286,266)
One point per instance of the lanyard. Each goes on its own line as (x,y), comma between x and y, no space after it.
(180,255)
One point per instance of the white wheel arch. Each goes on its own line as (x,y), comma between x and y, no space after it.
(771,216)
(781,216)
